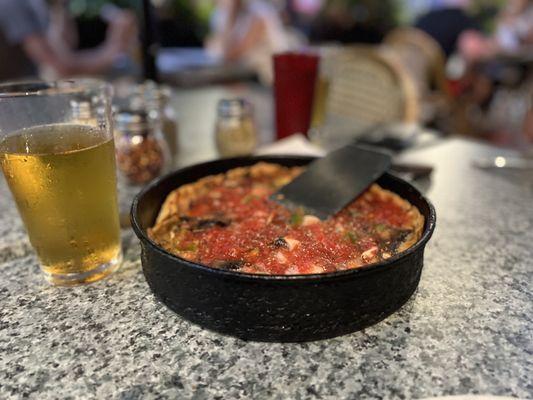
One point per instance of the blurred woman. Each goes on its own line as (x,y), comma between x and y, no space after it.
(248,31)
(514,34)
(36,37)
(446,22)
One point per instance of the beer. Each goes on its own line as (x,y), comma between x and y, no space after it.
(319,104)
(62,177)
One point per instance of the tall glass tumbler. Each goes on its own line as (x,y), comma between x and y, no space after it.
(57,155)
(294,88)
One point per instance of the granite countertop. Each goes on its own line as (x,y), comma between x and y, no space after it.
(467,329)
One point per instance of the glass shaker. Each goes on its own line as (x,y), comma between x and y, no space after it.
(235,129)
(142,153)
(157,100)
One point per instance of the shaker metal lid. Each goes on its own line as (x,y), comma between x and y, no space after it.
(132,120)
(234,107)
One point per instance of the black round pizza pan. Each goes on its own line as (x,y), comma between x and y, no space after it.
(287,308)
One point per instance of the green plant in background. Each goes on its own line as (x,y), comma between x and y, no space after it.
(383,13)
(196,13)
(186,13)
(88,9)
(487,11)
(204,9)
(199,9)
(405,12)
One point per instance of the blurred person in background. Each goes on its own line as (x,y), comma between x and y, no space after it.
(37,36)
(446,21)
(495,100)
(248,31)
(354,21)
(302,13)
(528,124)
(513,34)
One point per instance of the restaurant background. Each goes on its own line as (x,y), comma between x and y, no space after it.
(469,60)
(445,86)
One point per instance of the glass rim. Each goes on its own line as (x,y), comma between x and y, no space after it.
(29,88)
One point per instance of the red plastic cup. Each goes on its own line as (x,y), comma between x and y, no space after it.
(294,88)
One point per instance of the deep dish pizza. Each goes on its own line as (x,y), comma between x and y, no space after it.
(227,221)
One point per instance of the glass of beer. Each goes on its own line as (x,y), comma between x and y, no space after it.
(58,158)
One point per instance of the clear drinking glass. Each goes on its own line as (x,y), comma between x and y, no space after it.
(58,157)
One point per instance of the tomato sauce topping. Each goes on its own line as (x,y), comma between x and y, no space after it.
(237,227)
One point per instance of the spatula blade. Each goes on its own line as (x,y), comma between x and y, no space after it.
(332,182)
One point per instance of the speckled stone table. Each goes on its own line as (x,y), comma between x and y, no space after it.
(468,328)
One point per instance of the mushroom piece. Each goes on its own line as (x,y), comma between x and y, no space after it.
(285,243)
(370,254)
(280,243)
(309,220)
(211,222)
(229,265)
(291,243)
